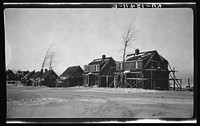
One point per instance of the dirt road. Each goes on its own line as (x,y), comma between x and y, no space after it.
(86,102)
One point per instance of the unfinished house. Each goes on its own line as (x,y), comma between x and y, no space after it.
(47,78)
(147,70)
(72,76)
(99,72)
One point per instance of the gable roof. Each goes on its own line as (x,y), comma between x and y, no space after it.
(28,75)
(35,75)
(140,56)
(109,71)
(143,55)
(22,73)
(9,72)
(70,71)
(100,61)
(47,73)
(11,76)
(149,55)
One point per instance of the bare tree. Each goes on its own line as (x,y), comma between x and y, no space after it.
(49,58)
(52,60)
(45,58)
(128,36)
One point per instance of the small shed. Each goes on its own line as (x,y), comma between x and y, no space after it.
(72,76)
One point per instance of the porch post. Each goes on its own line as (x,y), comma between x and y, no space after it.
(114,81)
(88,80)
(99,80)
(151,79)
(106,81)
(142,80)
(125,78)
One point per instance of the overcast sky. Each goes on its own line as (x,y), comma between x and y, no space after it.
(81,35)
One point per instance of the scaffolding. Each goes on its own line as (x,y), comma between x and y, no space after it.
(138,82)
(176,83)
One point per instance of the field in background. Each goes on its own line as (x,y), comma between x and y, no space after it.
(87,102)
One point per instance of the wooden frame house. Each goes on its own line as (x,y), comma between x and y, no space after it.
(26,79)
(28,75)
(47,78)
(21,74)
(11,77)
(99,72)
(34,76)
(72,76)
(147,70)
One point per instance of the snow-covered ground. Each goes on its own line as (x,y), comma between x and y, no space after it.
(87,102)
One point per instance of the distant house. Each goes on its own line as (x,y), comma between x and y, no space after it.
(26,79)
(148,70)
(21,74)
(28,75)
(47,78)
(99,72)
(34,76)
(72,76)
(11,77)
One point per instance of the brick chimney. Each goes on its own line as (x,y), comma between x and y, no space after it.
(137,51)
(103,56)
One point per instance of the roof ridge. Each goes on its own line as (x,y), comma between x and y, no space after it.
(102,58)
(141,53)
(74,70)
(43,75)
(70,70)
(73,66)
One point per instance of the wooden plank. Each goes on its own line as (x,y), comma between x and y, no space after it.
(148,61)
(142,81)
(111,83)
(157,70)
(136,83)
(137,78)
(106,81)
(128,83)
(175,79)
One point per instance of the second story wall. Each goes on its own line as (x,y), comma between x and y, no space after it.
(130,65)
(92,68)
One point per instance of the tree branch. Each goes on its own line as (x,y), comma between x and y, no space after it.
(49,58)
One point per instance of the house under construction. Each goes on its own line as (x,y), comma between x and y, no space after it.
(147,70)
